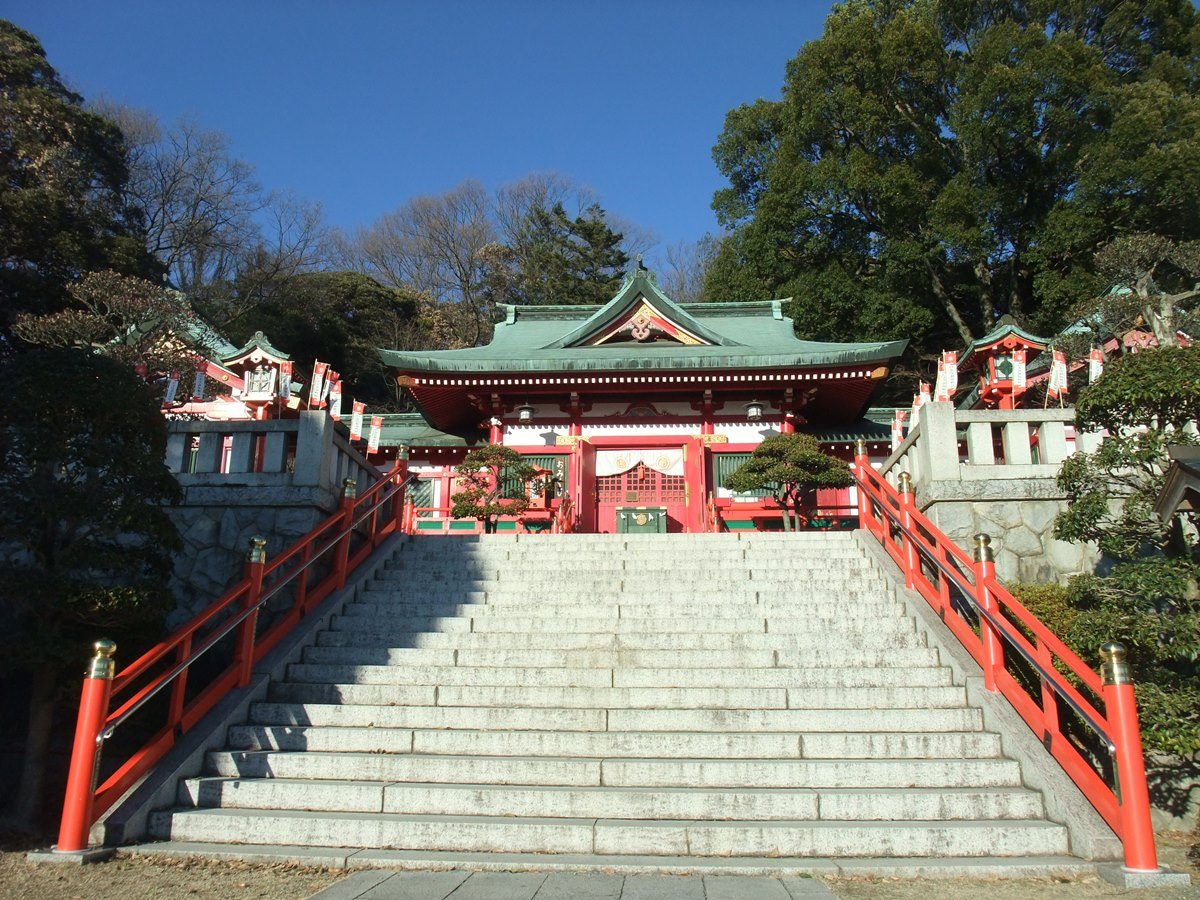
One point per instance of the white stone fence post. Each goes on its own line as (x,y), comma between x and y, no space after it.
(307,452)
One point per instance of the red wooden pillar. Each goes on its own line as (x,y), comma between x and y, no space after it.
(993,650)
(695,489)
(1120,707)
(85,753)
(400,473)
(256,561)
(341,559)
(788,425)
(862,463)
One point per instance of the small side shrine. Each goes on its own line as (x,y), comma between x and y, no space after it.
(257,376)
(1002,358)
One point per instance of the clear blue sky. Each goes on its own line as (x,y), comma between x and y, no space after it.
(360,105)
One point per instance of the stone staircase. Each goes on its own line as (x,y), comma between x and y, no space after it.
(613,698)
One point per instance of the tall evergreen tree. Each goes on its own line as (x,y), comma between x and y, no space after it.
(62,181)
(934,164)
(576,260)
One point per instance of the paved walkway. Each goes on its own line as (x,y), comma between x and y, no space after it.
(377,884)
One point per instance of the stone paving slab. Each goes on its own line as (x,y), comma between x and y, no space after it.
(377,884)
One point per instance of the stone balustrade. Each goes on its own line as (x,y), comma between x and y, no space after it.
(995,471)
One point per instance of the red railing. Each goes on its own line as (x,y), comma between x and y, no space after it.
(1046,683)
(108,702)
(564,517)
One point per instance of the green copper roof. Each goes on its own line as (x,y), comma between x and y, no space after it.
(1005,327)
(742,335)
(258,341)
(412,430)
(635,287)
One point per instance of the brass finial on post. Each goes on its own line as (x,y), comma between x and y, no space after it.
(983,548)
(258,550)
(860,447)
(1113,667)
(402,451)
(103,665)
(349,487)
(905,483)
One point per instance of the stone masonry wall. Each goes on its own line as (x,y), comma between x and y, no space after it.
(1018,515)
(215,540)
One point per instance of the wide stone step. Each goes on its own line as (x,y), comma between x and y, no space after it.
(818,658)
(534,770)
(834,719)
(717,745)
(610,677)
(662,698)
(761,804)
(595,576)
(652,563)
(668,598)
(395,620)
(829,611)
(794,645)
(549,719)
(613,836)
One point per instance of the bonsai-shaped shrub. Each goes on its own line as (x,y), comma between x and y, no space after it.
(791,467)
(493,481)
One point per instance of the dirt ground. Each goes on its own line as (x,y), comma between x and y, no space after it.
(143,878)
(1172,849)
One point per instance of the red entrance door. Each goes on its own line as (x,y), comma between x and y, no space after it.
(640,486)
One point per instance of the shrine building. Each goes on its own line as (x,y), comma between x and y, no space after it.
(636,410)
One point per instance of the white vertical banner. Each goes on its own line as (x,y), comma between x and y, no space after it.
(1095,365)
(1057,385)
(1019,377)
(331,378)
(335,401)
(285,379)
(317,388)
(356,419)
(376,431)
(898,428)
(199,383)
(950,371)
(172,388)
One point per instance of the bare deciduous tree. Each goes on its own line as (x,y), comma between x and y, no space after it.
(684,266)
(222,238)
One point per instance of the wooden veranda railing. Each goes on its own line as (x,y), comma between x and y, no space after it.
(311,569)
(1087,722)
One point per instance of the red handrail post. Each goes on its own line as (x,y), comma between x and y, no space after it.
(400,474)
(907,505)
(85,753)
(993,650)
(256,561)
(341,559)
(409,514)
(861,462)
(1137,834)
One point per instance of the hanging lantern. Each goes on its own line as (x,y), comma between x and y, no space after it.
(754,411)
(525,413)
